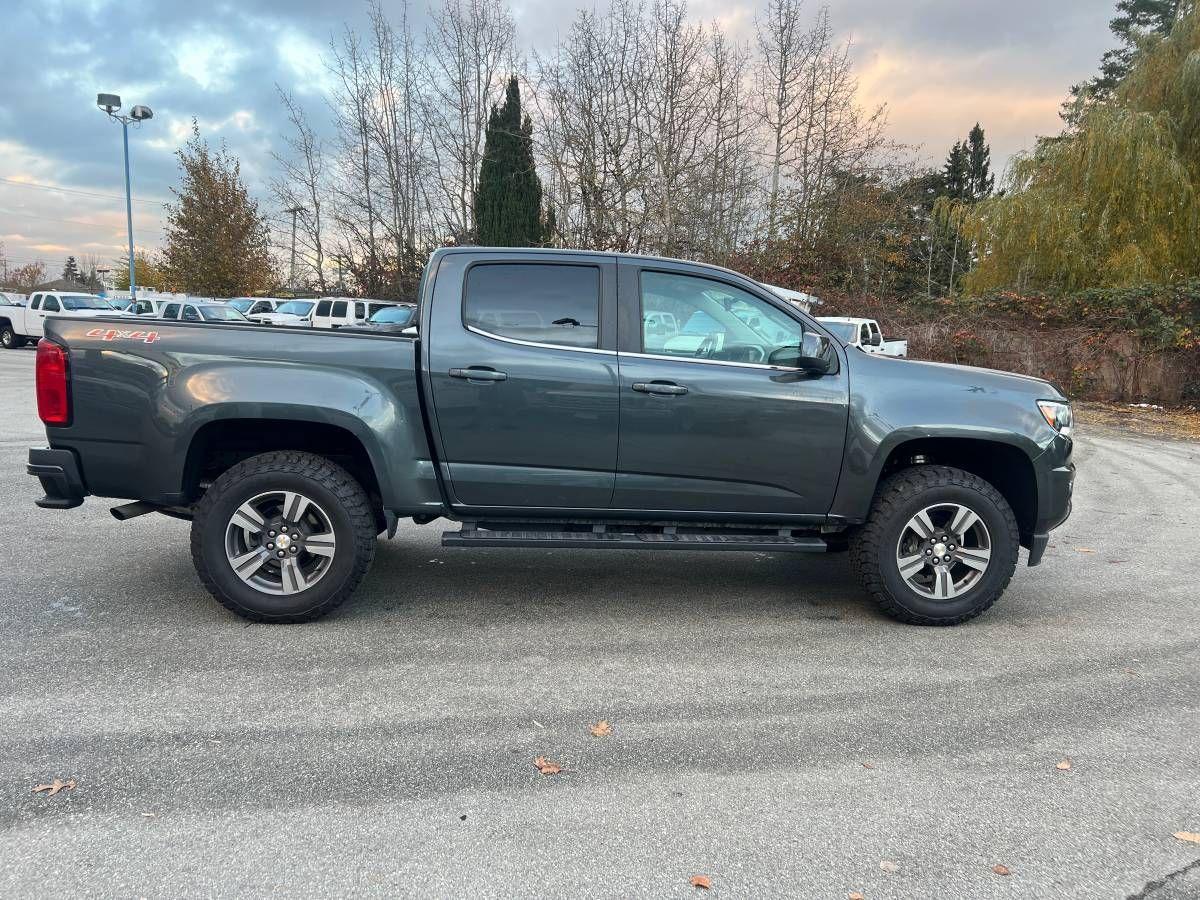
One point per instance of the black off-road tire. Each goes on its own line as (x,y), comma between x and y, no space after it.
(325,482)
(898,499)
(9,339)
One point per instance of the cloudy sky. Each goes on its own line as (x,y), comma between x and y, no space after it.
(939,65)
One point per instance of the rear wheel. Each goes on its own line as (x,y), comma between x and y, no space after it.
(939,548)
(283,537)
(9,339)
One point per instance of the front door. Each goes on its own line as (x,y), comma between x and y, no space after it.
(523,373)
(709,423)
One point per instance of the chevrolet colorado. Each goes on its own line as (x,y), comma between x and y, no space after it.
(557,399)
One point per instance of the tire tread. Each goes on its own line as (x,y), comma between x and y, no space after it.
(869,541)
(307,465)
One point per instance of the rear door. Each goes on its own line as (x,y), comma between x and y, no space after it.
(523,375)
(50,306)
(33,317)
(321,315)
(709,423)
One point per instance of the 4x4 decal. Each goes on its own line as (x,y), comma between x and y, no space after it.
(115,334)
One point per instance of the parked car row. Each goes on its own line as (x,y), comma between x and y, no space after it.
(21,322)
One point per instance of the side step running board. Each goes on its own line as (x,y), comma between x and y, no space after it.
(625,537)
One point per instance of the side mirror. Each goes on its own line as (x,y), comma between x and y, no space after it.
(814,355)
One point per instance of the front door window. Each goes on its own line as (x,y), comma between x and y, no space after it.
(699,318)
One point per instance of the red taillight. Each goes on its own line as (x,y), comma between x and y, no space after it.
(53,391)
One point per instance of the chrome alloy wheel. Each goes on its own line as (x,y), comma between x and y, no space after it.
(943,551)
(280,542)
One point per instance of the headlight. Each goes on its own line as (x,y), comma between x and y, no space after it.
(1058,415)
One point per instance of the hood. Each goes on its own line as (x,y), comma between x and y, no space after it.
(279,319)
(975,375)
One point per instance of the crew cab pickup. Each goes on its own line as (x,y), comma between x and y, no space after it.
(19,324)
(557,399)
(864,334)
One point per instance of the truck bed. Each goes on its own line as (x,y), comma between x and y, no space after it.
(141,397)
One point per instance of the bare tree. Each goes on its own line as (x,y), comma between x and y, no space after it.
(355,189)
(468,48)
(301,183)
(786,51)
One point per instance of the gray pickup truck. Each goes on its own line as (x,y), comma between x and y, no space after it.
(557,399)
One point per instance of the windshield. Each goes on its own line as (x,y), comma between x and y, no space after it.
(295,307)
(393,315)
(843,330)
(84,301)
(242,304)
(221,314)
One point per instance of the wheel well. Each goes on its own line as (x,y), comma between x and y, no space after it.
(1003,466)
(218,446)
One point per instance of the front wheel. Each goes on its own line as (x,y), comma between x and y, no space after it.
(939,548)
(283,537)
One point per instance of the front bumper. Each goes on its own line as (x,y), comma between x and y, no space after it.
(1056,485)
(58,471)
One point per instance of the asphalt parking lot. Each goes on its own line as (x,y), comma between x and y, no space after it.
(770,730)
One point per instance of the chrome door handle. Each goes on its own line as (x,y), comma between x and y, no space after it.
(478,374)
(662,388)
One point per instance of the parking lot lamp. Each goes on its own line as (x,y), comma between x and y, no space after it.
(111,103)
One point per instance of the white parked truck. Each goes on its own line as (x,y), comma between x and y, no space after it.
(864,334)
(20,324)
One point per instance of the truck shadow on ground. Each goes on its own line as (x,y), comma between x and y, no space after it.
(438,581)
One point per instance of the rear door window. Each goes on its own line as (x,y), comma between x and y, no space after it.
(323,308)
(542,303)
(171,311)
(36,302)
(360,310)
(190,314)
(339,309)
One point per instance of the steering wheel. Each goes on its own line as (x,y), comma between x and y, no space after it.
(707,346)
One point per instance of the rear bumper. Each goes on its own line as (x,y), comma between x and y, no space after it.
(58,471)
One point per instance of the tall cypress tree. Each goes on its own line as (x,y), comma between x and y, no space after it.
(508,203)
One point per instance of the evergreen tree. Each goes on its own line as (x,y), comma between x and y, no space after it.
(979,162)
(70,270)
(1136,22)
(956,173)
(508,203)
(217,243)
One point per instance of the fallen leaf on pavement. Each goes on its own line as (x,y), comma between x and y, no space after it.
(546,767)
(1001,869)
(601,729)
(1084,550)
(1130,672)
(868,765)
(1189,836)
(855,895)
(888,866)
(55,787)
(700,881)
(1063,766)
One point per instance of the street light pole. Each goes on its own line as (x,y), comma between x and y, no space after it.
(295,210)
(110,103)
(129,211)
